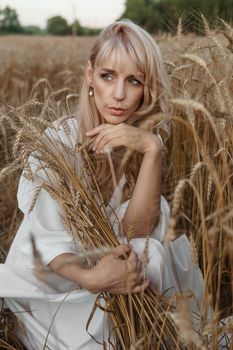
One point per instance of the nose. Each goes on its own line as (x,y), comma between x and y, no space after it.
(119,90)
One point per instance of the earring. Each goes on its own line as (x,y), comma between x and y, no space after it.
(91,92)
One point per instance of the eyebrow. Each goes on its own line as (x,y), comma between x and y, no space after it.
(130,75)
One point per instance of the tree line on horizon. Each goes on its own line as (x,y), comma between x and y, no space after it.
(153,15)
(163,15)
(56,25)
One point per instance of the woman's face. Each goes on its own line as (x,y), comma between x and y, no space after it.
(118,90)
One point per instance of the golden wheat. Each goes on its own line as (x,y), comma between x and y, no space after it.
(40,80)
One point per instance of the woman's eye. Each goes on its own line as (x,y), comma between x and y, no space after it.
(134,81)
(106,76)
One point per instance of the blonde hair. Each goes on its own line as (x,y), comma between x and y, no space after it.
(126,42)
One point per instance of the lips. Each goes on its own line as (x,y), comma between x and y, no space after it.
(116,110)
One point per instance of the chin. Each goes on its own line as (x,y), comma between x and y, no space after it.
(112,119)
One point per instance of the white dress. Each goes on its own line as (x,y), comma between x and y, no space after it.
(54,313)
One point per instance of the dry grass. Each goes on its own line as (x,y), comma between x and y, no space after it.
(39,82)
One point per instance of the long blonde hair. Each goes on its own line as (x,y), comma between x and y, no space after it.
(125,40)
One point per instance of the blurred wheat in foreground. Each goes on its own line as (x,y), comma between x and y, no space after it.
(40,84)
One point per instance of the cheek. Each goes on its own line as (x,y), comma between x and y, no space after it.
(99,91)
(138,98)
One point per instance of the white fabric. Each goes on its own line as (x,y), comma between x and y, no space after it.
(54,312)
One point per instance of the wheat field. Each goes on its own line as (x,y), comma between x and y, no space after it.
(39,83)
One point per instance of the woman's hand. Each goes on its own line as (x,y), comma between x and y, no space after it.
(109,136)
(119,272)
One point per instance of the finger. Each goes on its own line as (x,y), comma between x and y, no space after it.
(105,137)
(116,142)
(100,136)
(140,288)
(139,265)
(132,262)
(125,139)
(96,130)
(133,257)
(121,250)
(141,277)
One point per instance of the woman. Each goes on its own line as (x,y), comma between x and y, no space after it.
(125,82)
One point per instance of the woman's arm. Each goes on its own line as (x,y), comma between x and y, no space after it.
(112,273)
(144,206)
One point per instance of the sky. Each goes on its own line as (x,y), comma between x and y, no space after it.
(93,13)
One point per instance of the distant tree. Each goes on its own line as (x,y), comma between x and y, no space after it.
(138,11)
(33,30)
(147,13)
(79,30)
(164,14)
(58,25)
(90,31)
(9,22)
(210,8)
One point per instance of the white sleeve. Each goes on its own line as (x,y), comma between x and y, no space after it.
(27,188)
(44,221)
(51,237)
(55,135)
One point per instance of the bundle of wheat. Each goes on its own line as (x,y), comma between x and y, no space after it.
(139,320)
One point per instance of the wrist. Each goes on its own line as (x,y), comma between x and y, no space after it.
(153,151)
(155,147)
(91,281)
